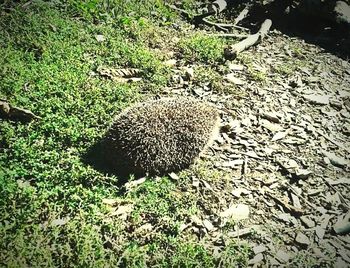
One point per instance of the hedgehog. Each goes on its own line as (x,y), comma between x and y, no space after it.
(160,136)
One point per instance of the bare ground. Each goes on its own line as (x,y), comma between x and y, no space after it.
(282,155)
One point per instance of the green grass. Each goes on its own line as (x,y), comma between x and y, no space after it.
(203,48)
(52,212)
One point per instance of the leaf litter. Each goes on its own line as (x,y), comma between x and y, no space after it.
(284,146)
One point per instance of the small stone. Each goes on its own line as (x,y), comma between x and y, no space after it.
(303,173)
(259,249)
(231,78)
(235,67)
(270,116)
(273,262)
(173,176)
(318,253)
(283,256)
(170,63)
(307,221)
(340,263)
(342,226)
(302,239)
(59,222)
(208,225)
(239,191)
(195,182)
(257,258)
(100,38)
(270,126)
(279,135)
(189,73)
(236,212)
(318,99)
(320,232)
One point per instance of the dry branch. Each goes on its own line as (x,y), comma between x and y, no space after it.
(201,18)
(232,51)
(7,111)
(241,15)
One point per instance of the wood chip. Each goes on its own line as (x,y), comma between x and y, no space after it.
(270,126)
(317,99)
(208,225)
(236,212)
(259,249)
(302,239)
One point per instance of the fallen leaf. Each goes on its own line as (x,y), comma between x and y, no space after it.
(259,249)
(257,258)
(100,37)
(302,239)
(173,176)
(236,212)
(317,99)
(208,225)
(270,126)
(283,256)
(122,210)
(60,222)
(129,185)
(231,78)
(279,135)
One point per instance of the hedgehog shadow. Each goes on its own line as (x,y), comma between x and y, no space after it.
(97,157)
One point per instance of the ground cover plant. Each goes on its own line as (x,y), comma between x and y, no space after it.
(268,192)
(53,206)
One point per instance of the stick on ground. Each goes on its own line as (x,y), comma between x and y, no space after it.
(232,51)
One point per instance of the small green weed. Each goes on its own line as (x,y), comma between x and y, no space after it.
(200,47)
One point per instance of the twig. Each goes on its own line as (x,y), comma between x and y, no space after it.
(240,36)
(225,25)
(198,19)
(216,25)
(241,15)
(232,51)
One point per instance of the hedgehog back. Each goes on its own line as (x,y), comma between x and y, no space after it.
(163,135)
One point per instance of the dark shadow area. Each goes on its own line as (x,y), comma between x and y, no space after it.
(316,25)
(104,157)
(99,158)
